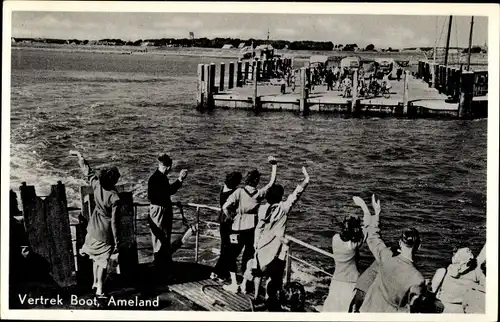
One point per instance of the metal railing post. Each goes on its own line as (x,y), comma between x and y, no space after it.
(288,267)
(197,234)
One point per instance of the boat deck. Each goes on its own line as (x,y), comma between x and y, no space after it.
(210,295)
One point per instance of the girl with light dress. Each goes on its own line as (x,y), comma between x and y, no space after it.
(345,247)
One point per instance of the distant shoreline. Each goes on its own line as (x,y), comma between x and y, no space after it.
(124,51)
(298,55)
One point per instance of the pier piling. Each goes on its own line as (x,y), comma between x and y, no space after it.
(303,108)
(222,75)
(354,94)
(406,79)
(258,69)
(200,78)
(269,68)
(239,82)
(247,67)
(211,88)
(206,85)
(466,94)
(230,82)
(255,99)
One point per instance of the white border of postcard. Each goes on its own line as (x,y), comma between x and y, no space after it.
(490,10)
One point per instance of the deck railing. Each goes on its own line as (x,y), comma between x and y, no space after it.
(287,241)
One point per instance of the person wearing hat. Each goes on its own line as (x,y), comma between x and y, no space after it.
(102,229)
(160,211)
(450,283)
(398,284)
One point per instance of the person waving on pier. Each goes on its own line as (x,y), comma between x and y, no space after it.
(160,211)
(246,201)
(102,229)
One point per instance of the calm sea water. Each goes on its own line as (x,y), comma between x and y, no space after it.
(125,109)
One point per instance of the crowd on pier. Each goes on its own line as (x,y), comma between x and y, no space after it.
(341,79)
(253,221)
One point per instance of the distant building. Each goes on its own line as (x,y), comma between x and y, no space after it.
(13,40)
(227,46)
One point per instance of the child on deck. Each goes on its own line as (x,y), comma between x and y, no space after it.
(269,233)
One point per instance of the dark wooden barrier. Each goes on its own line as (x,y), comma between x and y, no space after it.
(48,230)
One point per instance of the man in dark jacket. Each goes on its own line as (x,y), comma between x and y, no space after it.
(160,212)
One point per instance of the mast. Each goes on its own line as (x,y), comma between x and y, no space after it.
(435,44)
(470,42)
(448,42)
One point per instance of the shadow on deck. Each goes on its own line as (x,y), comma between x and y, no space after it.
(150,284)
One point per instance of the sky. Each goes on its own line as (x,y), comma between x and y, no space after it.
(381,30)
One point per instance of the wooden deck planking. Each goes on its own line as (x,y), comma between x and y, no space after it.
(193,291)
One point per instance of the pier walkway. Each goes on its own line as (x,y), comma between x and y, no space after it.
(419,94)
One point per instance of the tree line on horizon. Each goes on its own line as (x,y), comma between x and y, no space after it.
(220,42)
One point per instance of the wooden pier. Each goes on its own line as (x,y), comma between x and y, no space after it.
(442,93)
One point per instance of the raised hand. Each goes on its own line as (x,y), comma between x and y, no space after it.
(359,202)
(75,153)
(272,160)
(306,175)
(376,205)
(183,174)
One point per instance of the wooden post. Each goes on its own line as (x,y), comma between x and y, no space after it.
(239,82)
(211,91)
(206,86)
(406,80)
(256,101)
(449,79)
(466,94)
(49,235)
(258,70)
(199,89)
(265,63)
(247,67)
(434,75)
(354,100)
(303,91)
(221,77)
(230,83)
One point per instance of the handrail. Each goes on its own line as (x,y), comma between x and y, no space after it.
(287,239)
(311,247)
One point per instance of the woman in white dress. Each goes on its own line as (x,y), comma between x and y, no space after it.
(345,247)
